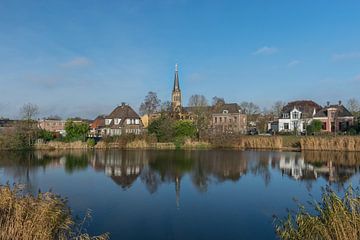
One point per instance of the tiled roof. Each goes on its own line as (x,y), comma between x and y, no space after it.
(306,107)
(341,111)
(123,112)
(231,107)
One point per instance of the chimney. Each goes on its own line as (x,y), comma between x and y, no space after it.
(123,104)
(339,102)
(328,103)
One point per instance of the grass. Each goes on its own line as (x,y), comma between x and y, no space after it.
(334,218)
(45,216)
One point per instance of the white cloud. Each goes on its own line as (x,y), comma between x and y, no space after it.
(266,51)
(346,56)
(77,62)
(293,63)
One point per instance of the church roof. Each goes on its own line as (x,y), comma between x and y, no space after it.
(176,79)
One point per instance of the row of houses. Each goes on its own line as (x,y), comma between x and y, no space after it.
(222,117)
(297,115)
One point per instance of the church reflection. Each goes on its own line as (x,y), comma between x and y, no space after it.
(203,168)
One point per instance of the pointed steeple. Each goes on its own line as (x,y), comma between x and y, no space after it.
(176,79)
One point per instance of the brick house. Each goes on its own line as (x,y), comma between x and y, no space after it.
(335,118)
(228,118)
(52,125)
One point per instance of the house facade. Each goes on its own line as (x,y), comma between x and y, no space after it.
(335,118)
(296,115)
(228,118)
(122,120)
(52,125)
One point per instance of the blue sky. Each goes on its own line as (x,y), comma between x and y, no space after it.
(82,58)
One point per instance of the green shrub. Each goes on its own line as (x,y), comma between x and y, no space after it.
(76,131)
(314,127)
(184,128)
(45,135)
(91,142)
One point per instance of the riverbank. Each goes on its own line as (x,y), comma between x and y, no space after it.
(282,143)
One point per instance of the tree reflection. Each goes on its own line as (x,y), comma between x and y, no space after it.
(204,168)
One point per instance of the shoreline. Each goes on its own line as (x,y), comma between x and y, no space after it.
(274,143)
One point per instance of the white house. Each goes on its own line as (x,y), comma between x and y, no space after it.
(296,115)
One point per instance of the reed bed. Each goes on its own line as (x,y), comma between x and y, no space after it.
(42,217)
(259,142)
(334,218)
(339,143)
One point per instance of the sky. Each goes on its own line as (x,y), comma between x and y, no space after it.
(83,58)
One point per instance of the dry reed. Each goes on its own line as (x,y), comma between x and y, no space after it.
(42,217)
(334,218)
(340,143)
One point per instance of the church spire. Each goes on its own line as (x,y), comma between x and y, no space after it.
(176,79)
(176,93)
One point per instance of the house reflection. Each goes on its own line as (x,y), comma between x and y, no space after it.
(332,166)
(202,168)
(124,167)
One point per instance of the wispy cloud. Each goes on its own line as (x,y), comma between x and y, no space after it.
(293,63)
(266,51)
(346,56)
(77,62)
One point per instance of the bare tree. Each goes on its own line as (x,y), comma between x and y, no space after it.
(353,106)
(165,106)
(201,112)
(28,127)
(198,101)
(217,100)
(29,111)
(277,108)
(250,108)
(150,104)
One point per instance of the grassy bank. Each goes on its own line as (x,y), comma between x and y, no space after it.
(297,143)
(333,218)
(42,217)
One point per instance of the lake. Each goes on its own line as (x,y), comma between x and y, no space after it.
(209,194)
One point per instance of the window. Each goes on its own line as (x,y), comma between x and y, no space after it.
(235,119)
(286,126)
(117,121)
(295,115)
(285,115)
(323,126)
(225,111)
(108,121)
(225,119)
(137,121)
(128,121)
(220,119)
(215,119)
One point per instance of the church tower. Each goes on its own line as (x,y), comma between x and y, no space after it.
(176,93)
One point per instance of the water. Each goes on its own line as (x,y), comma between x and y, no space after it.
(217,194)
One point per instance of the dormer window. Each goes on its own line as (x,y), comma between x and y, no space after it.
(137,121)
(117,121)
(128,121)
(225,111)
(108,121)
(295,115)
(285,115)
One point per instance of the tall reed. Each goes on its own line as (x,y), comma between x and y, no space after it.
(334,218)
(42,217)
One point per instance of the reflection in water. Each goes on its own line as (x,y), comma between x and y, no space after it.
(154,168)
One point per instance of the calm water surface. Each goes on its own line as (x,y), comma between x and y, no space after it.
(182,194)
